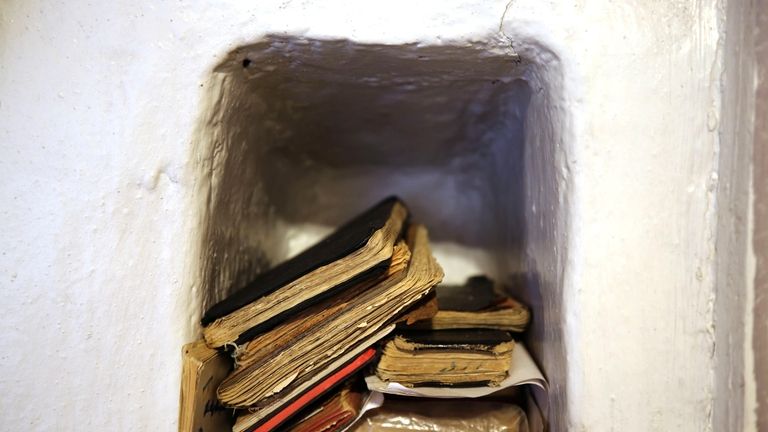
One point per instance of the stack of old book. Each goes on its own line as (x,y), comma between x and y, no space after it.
(466,352)
(307,325)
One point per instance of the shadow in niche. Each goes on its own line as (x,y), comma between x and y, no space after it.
(301,134)
(310,132)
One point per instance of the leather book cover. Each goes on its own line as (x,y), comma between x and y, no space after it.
(356,281)
(475,295)
(348,238)
(454,339)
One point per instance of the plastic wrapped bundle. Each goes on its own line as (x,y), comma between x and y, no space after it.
(444,416)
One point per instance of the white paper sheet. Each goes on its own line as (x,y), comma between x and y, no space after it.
(373,401)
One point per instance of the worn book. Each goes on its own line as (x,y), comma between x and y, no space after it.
(479,303)
(275,341)
(306,343)
(456,357)
(337,411)
(201,372)
(359,250)
(297,396)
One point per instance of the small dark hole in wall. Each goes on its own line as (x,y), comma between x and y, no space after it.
(246,62)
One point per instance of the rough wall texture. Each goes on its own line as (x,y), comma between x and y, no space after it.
(94,226)
(760,209)
(99,107)
(642,251)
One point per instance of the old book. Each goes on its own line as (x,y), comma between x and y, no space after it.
(291,407)
(478,303)
(299,395)
(202,371)
(457,357)
(336,412)
(357,251)
(302,345)
(285,334)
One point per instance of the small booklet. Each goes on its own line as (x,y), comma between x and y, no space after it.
(479,303)
(201,372)
(337,411)
(522,371)
(458,357)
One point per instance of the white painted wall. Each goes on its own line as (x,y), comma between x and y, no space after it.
(100,105)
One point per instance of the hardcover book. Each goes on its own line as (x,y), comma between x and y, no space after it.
(300,346)
(335,414)
(479,303)
(359,250)
(298,396)
(202,371)
(461,357)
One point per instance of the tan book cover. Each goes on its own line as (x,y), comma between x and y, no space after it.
(447,357)
(357,251)
(336,413)
(203,369)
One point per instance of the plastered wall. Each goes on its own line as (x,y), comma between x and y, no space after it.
(100,108)
(757,340)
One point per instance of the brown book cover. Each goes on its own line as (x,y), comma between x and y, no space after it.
(479,303)
(297,398)
(299,347)
(335,413)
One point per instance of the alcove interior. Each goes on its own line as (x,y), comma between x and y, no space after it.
(300,135)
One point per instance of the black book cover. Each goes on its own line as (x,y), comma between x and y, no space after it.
(345,240)
(456,339)
(475,295)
